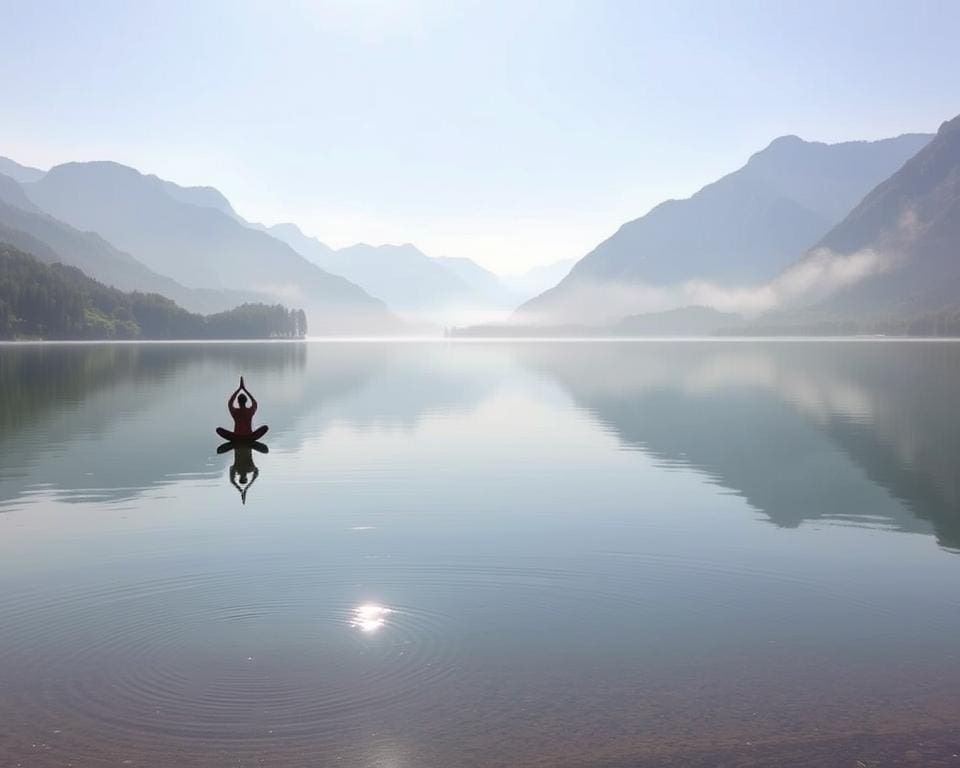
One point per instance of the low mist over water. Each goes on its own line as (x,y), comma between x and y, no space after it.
(497,554)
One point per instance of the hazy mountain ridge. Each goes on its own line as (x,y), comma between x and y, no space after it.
(405,277)
(200,245)
(12,193)
(25,226)
(203,197)
(738,231)
(308,247)
(19,173)
(408,280)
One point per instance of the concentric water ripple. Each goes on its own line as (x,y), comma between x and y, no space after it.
(275,653)
(166,659)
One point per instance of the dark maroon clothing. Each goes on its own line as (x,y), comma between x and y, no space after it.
(243,420)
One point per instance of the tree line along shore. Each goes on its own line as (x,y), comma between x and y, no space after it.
(40,301)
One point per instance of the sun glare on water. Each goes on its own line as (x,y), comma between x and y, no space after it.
(369,617)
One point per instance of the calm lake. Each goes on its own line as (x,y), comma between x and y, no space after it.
(609,554)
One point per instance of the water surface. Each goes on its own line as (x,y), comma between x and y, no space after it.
(501,554)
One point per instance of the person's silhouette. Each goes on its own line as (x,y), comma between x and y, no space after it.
(242,416)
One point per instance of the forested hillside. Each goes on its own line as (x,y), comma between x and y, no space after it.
(54,301)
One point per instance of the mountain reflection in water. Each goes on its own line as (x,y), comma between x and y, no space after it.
(857,431)
(793,427)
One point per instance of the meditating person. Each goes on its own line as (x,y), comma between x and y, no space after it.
(242,416)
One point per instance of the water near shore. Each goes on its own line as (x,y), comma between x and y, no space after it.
(481,554)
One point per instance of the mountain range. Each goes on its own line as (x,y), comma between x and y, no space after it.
(739,231)
(403,276)
(25,226)
(140,232)
(856,235)
(199,246)
(413,283)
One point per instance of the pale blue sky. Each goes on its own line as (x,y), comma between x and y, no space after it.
(513,133)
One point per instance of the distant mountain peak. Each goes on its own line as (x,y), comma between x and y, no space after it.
(407,249)
(110,167)
(739,231)
(287,228)
(789,140)
(784,146)
(203,196)
(118,173)
(949,126)
(781,147)
(20,173)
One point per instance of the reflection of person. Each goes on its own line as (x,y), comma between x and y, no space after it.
(242,415)
(243,467)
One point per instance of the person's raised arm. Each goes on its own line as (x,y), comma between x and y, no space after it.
(233,395)
(253,400)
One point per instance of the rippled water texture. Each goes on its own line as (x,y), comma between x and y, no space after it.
(482,554)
